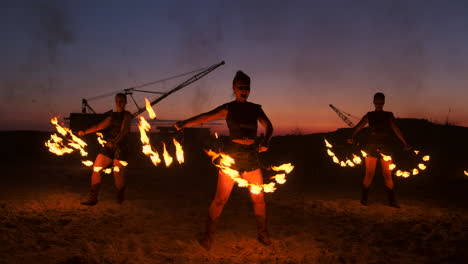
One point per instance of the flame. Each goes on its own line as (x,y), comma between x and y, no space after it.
(391,166)
(406,174)
(421,166)
(124,163)
(179,151)
(336,160)
(328,144)
(97,169)
(330,153)
(108,171)
(57,145)
(216,135)
(226,161)
(356,159)
(167,158)
(87,163)
(349,163)
(364,154)
(144,126)
(415,171)
(269,188)
(426,158)
(466,173)
(101,139)
(416,152)
(342,164)
(116,169)
(287,167)
(386,157)
(399,173)
(151,113)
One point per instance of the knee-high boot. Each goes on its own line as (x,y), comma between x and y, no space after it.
(93,195)
(263,236)
(391,198)
(365,195)
(208,236)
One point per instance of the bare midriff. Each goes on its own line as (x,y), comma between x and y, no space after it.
(244,141)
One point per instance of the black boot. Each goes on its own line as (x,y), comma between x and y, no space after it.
(208,236)
(391,198)
(93,195)
(121,195)
(365,195)
(263,236)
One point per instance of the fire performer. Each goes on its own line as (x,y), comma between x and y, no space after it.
(241,117)
(115,151)
(381,124)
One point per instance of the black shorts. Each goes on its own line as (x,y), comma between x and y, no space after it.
(245,156)
(115,153)
(377,145)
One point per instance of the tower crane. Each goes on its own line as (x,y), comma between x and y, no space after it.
(343,115)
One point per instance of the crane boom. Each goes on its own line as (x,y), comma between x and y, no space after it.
(342,116)
(192,79)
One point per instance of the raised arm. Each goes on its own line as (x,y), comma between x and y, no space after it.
(398,132)
(219,112)
(358,127)
(98,127)
(265,122)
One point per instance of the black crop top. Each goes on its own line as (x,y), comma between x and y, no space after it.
(379,122)
(242,119)
(115,124)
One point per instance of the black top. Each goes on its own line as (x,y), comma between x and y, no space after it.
(379,123)
(115,125)
(242,119)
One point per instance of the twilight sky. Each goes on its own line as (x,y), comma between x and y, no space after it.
(300,55)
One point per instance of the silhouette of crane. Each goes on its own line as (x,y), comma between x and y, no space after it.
(343,115)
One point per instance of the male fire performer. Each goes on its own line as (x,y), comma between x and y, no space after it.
(117,126)
(241,117)
(381,124)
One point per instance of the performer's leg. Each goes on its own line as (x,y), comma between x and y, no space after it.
(223,191)
(119,180)
(371,163)
(100,162)
(255,177)
(387,174)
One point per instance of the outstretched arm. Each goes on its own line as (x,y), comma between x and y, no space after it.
(265,122)
(398,133)
(98,127)
(358,127)
(219,112)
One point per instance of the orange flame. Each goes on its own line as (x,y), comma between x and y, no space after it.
(426,158)
(328,144)
(151,113)
(216,135)
(179,151)
(391,166)
(87,163)
(466,173)
(356,159)
(330,153)
(421,166)
(416,152)
(415,171)
(101,139)
(167,158)
(364,154)
(386,157)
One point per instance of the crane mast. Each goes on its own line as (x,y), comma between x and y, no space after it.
(342,115)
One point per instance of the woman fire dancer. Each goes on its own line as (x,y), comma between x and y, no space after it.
(241,117)
(115,151)
(381,124)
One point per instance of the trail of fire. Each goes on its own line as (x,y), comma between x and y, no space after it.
(58,146)
(392,166)
(148,150)
(226,161)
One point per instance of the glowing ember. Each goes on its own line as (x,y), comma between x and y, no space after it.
(179,151)
(406,174)
(426,158)
(399,173)
(421,166)
(108,171)
(342,164)
(116,169)
(357,159)
(416,152)
(391,166)
(167,158)
(415,172)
